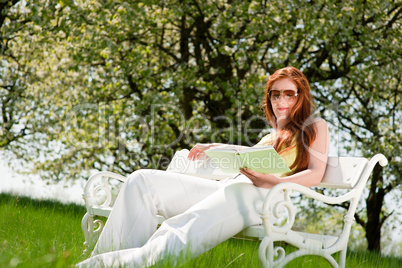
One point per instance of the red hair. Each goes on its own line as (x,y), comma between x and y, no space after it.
(299,127)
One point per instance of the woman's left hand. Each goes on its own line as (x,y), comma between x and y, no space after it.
(260,179)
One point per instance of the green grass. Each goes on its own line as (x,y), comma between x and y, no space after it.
(35,233)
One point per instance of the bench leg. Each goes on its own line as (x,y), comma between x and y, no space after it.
(342,258)
(271,256)
(266,252)
(91,233)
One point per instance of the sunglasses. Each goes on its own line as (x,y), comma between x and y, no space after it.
(288,95)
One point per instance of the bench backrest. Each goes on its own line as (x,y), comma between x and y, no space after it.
(341,172)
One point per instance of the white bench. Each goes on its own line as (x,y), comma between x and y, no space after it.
(349,173)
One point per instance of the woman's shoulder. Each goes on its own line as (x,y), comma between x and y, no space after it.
(321,127)
(320,122)
(316,119)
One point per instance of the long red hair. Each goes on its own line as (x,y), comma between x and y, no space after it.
(299,127)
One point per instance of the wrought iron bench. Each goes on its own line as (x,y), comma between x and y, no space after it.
(349,173)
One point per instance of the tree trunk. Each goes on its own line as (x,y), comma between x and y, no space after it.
(374,203)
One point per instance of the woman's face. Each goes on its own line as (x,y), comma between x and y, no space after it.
(283,96)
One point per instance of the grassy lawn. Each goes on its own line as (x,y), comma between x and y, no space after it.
(35,233)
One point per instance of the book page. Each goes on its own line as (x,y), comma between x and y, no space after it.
(263,159)
(255,148)
(200,168)
(226,160)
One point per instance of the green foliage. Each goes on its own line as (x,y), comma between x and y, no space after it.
(122,85)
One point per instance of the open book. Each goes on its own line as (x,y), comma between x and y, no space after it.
(203,168)
(263,159)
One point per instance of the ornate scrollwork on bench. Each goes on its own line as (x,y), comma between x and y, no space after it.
(99,201)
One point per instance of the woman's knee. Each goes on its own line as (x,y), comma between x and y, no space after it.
(245,191)
(138,177)
(140,173)
(238,188)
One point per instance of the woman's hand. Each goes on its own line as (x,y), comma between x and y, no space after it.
(197,152)
(260,179)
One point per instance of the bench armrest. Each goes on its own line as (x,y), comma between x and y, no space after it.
(273,209)
(91,190)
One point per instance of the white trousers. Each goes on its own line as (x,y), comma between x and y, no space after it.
(200,214)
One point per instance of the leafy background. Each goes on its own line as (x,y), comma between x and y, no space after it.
(121,85)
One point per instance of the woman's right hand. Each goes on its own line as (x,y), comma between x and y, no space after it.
(197,152)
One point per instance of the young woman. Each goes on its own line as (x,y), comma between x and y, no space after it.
(203,213)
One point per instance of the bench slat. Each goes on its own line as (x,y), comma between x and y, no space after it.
(343,172)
